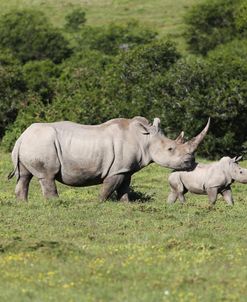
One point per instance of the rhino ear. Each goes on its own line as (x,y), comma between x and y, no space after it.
(156,126)
(156,122)
(236,159)
(147,128)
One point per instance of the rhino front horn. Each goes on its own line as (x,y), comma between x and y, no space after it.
(195,141)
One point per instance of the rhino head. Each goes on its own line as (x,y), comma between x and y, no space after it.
(175,154)
(237,173)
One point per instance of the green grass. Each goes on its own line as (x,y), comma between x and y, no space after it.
(163,16)
(77,249)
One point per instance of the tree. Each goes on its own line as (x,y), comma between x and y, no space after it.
(28,34)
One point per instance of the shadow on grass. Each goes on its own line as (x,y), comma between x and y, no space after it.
(135,196)
(57,248)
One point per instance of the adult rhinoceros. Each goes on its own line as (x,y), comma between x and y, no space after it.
(82,155)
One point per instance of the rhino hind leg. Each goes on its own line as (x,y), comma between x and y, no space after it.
(227,195)
(110,184)
(48,187)
(181,197)
(22,186)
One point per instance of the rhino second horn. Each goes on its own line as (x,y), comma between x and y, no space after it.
(195,141)
(180,138)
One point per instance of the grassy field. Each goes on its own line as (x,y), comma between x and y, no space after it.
(76,249)
(163,16)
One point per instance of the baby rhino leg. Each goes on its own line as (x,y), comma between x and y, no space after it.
(212,195)
(227,195)
(172,196)
(177,189)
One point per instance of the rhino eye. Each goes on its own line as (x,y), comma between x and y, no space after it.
(241,172)
(170,149)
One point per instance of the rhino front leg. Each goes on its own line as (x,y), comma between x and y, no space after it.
(212,195)
(181,197)
(172,196)
(110,184)
(123,189)
(227,195)
(177,188)
(48,187)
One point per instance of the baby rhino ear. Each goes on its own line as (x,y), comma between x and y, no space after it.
(236,159)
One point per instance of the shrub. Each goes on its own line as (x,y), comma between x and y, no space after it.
(114,38)
(28,34)
(96,88)
(132,84)
(7,58)
(212,23)
(34,112)
(241,17)
(196,89)
(12,89)
(79,90)
(40,77)
(75,20)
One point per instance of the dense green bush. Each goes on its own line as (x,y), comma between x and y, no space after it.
(7,58)
(12,89)
(196,89)
(132,83)
(241,17)
(94,88)
(214,22)
(75,20)
(114,38)
(40,77)
(33,111)
(29,36)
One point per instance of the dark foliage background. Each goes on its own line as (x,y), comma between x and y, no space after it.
(89,75)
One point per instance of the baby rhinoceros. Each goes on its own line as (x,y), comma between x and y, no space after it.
(209,179)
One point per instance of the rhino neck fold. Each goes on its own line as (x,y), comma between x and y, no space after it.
(144,158)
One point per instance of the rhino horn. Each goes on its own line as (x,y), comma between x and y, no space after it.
(195,141)
(236,159)
(180,138)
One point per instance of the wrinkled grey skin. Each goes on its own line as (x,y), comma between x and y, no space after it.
(209,179)
(82,155)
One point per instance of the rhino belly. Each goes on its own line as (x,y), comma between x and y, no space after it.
(197,190)
(79,176)
(194,185)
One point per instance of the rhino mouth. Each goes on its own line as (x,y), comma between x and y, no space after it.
(188,164)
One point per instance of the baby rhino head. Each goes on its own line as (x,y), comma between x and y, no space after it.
(237,173)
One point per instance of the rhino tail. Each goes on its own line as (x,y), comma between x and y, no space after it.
(15,159)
